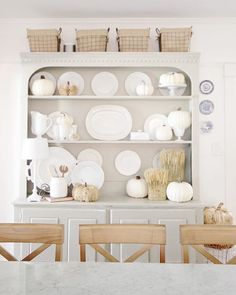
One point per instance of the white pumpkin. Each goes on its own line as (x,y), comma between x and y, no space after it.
(144,89)
(179,121)
(172,79)
(64,119)
(136,187)
(43,87)
(163,132)
(179,191)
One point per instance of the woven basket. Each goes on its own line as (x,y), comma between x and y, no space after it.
(92,40)
(133,40)
(44,40)
(157,192)
(174,40)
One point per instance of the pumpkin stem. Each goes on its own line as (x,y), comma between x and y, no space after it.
(219,206)
(179,109)
(85,184)
(138,177)
(42,77)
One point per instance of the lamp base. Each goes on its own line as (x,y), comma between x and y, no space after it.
(34,198)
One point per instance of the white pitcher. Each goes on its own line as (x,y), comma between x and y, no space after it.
(40,123)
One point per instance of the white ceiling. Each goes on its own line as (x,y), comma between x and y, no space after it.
(116,8)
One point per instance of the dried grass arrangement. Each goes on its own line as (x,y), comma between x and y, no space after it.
(218,215)
(173,160)
(157,181)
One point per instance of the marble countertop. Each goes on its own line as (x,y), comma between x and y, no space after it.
(73,278)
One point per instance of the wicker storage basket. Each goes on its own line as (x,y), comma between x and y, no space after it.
(174,40)
(92,40)
(44,40)
(133,40)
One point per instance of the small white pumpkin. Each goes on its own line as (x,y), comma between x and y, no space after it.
(172,79)
(179,121)
(43,87)
(85,193)
(144,89)
(136,187)
(163,132)
(179,191)
(64,119)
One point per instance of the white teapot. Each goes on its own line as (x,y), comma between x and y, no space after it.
(40,123)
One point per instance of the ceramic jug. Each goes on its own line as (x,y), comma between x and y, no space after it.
(40,123)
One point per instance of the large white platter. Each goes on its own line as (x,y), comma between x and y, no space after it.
(105,84)
(90,155)
(108,122)
(88,172)
(57,156)
(135,79)
(153,122)
(127,163)
(47,76)
(74,79)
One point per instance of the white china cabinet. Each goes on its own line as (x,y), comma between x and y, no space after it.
(113,205)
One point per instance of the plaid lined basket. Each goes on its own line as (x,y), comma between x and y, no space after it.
(44,40)
(174,40)
(133,40)
(92,40)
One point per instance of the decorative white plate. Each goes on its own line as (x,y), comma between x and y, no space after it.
(206,107)
(47,76)
(108,122)
(74,79)
(127,163)
(54,117)
(90,155)
(89,172)
(206,126)
(206,87)
(153,122)
(135,79)
(57,156)
(105,84)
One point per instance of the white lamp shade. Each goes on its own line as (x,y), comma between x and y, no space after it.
(35,149)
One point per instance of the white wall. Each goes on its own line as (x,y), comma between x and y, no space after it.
(214,39)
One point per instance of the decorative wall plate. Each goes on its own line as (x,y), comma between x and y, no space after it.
(135,79)
(105,84)
(206,107)
(206,87)
(127,163)
(206,126)
(88,172)
(74,79)
(108,122)
(90,155)
(37,76)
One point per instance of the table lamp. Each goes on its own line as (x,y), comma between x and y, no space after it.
(35,149)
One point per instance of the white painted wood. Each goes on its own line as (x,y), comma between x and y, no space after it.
(171,218)
(156,142)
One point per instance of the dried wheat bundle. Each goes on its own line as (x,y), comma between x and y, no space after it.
(173,160)
(157,181)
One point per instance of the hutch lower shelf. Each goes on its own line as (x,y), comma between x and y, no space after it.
(112,210)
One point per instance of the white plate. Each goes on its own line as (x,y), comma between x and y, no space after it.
(47,75)
(90,155)
(57,156)
(135,79)
(54,117)
(153,122)
(89,172)
(74,79)
(105,84)
(127,163)
(108,122)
